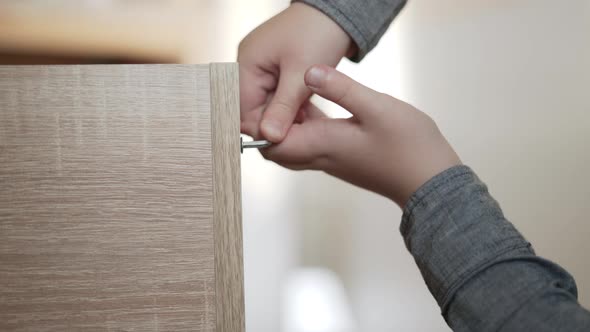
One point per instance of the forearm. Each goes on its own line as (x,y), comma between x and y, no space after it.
(365,21)
(482,272)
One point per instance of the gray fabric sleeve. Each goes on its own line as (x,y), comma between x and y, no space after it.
(482,272)
(364,20)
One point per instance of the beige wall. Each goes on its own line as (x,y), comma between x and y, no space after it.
(507,83)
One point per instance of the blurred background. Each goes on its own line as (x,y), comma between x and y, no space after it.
(506,81)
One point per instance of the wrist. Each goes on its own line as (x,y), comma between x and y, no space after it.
(440,160)
(326,26)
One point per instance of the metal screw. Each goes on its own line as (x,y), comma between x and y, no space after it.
(253,144)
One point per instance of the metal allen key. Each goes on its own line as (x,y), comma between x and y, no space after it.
(253,144)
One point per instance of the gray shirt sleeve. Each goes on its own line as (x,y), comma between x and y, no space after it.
(364,20)
(484,275)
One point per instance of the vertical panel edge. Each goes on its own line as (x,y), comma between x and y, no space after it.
(227,205)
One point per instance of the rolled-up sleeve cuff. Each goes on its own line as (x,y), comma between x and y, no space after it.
(454,229)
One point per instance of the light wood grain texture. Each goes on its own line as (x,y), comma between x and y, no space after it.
(109,208)
(227,213)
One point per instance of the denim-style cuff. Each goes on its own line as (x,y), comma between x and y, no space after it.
(454,229)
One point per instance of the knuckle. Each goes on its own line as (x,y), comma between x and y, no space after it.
(389,104)
(242,46)
(386,100)
(266,155)
(343,92)
(383,103)
(281,106)
(320,163)
(319,156)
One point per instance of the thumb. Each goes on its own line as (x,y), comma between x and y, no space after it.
(284,105)
(331,84)
(308,144)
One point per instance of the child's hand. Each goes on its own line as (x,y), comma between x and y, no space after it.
(273,59)
(388,146)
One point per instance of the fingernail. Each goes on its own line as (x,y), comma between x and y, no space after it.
(315,77)
(272,130)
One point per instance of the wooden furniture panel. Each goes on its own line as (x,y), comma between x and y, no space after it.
(228,235)
(120,198)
